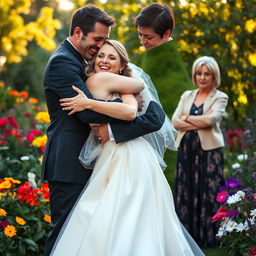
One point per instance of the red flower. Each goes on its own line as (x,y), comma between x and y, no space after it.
(32,199)
(45,191)
(32,134)
(222,197)
(27,114)
(252,251)
(222,209)
(3,142)
(219,216)
(13,122)
(23,94)
(24,190)
(3,122)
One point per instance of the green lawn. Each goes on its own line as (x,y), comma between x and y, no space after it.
(216,252)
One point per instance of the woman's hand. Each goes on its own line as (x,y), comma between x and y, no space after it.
(77,103)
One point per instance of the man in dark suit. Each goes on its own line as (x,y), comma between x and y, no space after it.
(66,134)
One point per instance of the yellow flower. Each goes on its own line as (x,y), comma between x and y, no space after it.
(250,25)
(252,59)
(3,212)
(43,117)
(1,195)
(47,218)
(40,141)
(13,180)
(242,99)
(20,221)
(10,231)
(5,184)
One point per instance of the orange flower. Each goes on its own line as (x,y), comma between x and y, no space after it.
(19,100)
(12,180)
(32,100)
(3,212)
(1,85)
(23,94)
(10,231)
(20,221)
(14,93)
(47,218)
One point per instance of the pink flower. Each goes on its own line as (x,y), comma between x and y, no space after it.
(32,134)
(3,122)
(222,197)
(219,216)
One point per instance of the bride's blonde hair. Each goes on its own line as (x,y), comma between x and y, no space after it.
(124,59)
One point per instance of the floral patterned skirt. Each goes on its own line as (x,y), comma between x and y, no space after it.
(198,178)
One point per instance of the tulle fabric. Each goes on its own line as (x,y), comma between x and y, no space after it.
(160,140)
(127,209)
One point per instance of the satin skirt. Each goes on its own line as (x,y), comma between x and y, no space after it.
(127,209)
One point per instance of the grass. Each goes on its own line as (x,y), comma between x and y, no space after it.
(216,251)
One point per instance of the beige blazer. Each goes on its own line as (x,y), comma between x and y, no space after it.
(210,135)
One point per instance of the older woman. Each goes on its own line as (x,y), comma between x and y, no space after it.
(200,151)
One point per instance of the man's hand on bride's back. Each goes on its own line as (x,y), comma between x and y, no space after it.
(140,101)
(75,104)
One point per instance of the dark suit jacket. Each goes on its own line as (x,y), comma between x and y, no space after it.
(67,134)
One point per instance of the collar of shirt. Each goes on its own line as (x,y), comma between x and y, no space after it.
(86,62)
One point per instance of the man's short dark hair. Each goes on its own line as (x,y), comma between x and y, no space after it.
(157,16)
(86,17)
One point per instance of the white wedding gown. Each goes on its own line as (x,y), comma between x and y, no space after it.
(127,209)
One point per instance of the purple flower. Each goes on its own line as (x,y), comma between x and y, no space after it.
(222,188)
(4,223)
(233,183)
(233,213)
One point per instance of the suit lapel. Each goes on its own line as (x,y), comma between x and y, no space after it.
(209,100)
(70,47)
(190,100)
(77,55)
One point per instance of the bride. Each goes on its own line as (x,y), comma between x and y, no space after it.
(127,207)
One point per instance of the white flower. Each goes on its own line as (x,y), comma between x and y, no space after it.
(246,225)
(24,158)
(231,225)
(253,213)
(31,179)
(242,157)
(220,233)
(240,227)
(240,193)
(252,221)
(235,165)
(234,199)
